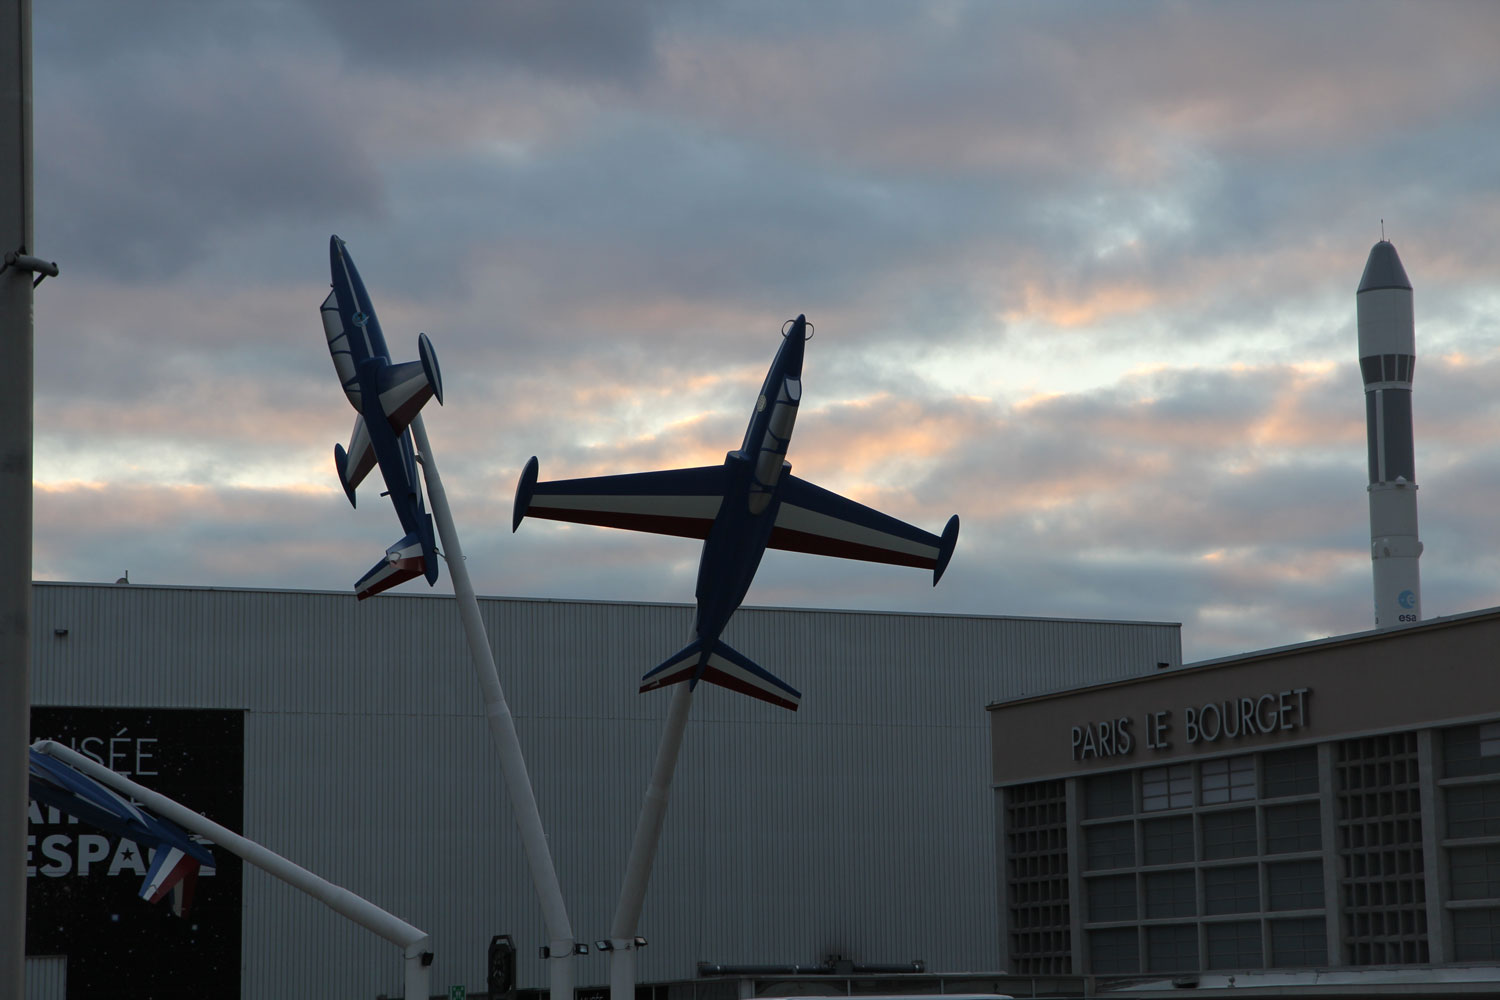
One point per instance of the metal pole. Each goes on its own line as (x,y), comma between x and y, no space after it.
(503,731)
(643,850)
(15,485)
(412,941)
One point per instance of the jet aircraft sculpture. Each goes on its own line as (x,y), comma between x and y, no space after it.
(386,396)
(740,508)
(178,858)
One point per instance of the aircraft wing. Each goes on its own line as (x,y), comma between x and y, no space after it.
(682,502)
(812,519)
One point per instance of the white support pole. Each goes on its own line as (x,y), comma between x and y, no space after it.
(413,942)
(643,851)
(503,730)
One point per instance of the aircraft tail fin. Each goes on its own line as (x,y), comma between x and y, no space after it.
(406,560)
(172,870)
(725,666)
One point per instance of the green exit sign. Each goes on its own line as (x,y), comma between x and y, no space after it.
(457,993)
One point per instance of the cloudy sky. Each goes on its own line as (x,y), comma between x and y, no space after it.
(1082,273)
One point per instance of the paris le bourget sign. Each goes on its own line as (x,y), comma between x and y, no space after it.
(1224,721)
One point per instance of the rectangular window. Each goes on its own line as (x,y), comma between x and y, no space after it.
(1167,787)
(1171,894)
(1114,949)
(1168,840)
(1474,810)
(1111,898)
(1229,780)
(1474,871)
(1228,834)
(1290,772)
(1294,827)
(1476,935)
(1234,946)
(1110,845)
(1172,948)
(1296,885)
(1471,750)
(1231,890)
(1108,795)
(1299,943)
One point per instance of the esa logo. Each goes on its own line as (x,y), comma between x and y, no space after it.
(1407,599)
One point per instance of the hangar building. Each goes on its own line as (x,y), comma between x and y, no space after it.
(350,738)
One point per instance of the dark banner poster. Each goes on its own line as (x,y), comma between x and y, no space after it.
(82,885)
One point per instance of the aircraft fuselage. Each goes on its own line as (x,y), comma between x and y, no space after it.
(370,356)
(753,475)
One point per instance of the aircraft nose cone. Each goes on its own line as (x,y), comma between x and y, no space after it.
(794,344)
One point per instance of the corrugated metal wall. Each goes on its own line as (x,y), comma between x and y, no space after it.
(862,824)
(46,977)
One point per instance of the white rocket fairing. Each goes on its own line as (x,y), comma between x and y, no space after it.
(1387,357)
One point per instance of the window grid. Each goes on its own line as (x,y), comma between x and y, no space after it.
(1289,772)
(1234,945)
(1474,872)
(1471,793)
(1229,834)
(1168,840)
(1114,950)
(1380,860)
(1172,948)
(1229,780)
(1037,853)
(1469,750)
(1167,787)
(1295,827)
(1111,897)
(1236,867)
(1300,941)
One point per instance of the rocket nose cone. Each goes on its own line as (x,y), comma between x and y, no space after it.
(1383,269)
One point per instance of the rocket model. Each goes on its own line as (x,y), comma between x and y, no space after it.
(1387,357)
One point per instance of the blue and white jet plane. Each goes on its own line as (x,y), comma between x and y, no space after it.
(750,503)
(386,396)
(178,857)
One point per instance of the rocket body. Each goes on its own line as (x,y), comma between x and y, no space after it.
(1387,359)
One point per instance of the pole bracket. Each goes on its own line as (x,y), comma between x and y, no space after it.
(26,262)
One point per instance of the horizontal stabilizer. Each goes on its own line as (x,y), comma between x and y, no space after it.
(812,519)
(403,561)
(726,667)
(682,502)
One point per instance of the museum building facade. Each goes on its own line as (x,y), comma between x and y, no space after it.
(1331,808)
